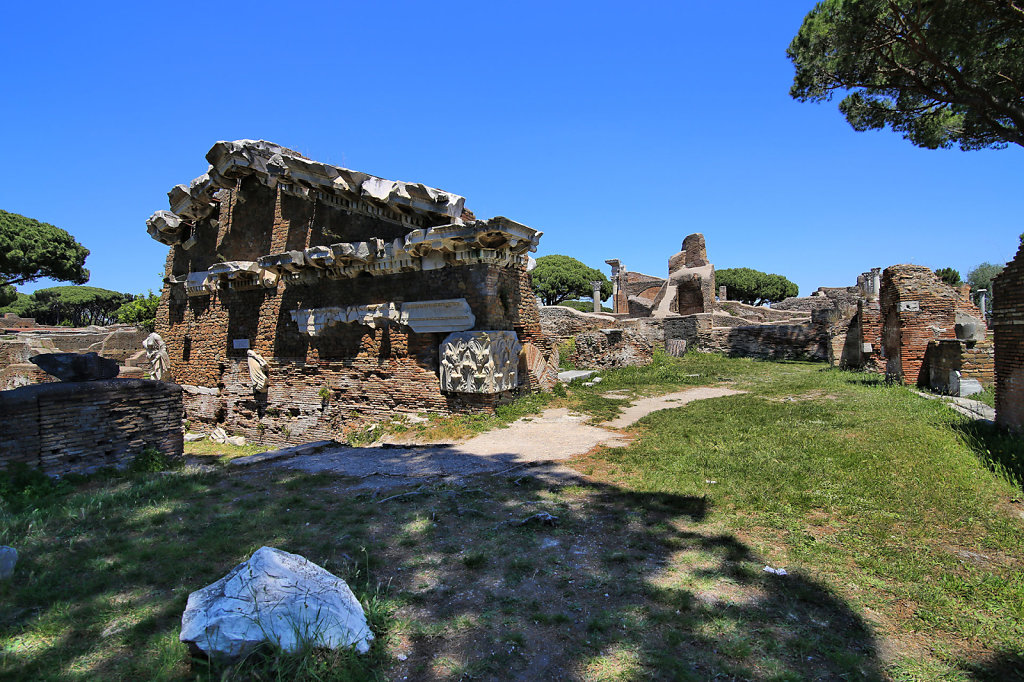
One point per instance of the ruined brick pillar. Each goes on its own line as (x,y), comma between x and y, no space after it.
(916,308)
(1008,325)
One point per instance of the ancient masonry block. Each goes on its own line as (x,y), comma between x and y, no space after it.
(79,427)
(1008,325)
(480,362)
(917,309)
(344,284)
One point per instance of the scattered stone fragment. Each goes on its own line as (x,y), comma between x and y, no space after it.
(275,597)
(194,437)
(775,571)
(76,366)
(218,435)
(573,374)
(235,440)
(8,558)
(541,518)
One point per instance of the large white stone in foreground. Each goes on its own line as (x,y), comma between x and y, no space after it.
(274,597)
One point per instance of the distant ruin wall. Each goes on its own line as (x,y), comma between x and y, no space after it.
(768,341)
(1008,326)
(561,323)
(79,427)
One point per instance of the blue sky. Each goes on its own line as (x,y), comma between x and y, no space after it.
(616,128)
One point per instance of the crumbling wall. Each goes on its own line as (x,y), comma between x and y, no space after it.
(692,276)
(12,321)
(917,308)
(612,348)
(79,427)
(121,343)
(1008,328)
(952,364)
(561,323)
(344,286)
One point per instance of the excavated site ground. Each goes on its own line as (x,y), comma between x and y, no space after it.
(536,446)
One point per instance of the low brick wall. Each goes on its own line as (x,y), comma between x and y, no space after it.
(79,427)
(560,323)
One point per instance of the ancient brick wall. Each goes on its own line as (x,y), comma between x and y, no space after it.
(79,427)
(12,321)
(561,323)
(868,325)
(1008,336)
(917,308)
(973,360)
(362,370)
(978,361)
(767,341)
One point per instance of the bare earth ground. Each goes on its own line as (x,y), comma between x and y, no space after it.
(538,442)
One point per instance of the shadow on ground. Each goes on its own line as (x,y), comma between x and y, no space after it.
(625,585)
(1000,450)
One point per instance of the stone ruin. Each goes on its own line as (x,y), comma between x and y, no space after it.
(931,335)
(1008,326)
(87,419)
(299,295)
(681,313)
(689,289)
(21,339)
(905,323)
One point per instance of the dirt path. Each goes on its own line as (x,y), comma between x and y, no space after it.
(539,442)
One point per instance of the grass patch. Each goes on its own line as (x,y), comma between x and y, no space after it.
(898,521)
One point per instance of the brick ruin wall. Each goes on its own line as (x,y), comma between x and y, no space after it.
(317,386)
(561,323)
(1008,326)
(973,360)
(120,343)
(917,308)
(12,321)
(80,427)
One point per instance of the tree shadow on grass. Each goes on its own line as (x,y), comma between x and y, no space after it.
(627,585)
(1000,450)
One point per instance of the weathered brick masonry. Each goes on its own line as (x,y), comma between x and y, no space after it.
(79,427)
(1008,325)
(268,239)
(917,308)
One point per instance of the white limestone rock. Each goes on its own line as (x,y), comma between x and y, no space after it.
(274,597)
(8,559)
(218,435)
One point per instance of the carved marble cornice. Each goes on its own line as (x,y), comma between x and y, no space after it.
(421,316)
(498,241)
(407,203)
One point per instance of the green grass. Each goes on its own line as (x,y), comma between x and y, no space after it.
(899,521)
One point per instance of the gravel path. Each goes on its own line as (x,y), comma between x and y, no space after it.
(538,443)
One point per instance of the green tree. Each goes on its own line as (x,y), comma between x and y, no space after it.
(981,276)
(140,311)
(558,278)
(941,72)
(30,249)
(753,286)
(76,306)
(949,276)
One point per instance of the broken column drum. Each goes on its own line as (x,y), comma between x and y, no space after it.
(299,294)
